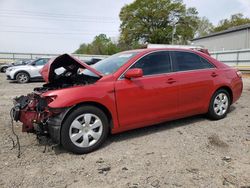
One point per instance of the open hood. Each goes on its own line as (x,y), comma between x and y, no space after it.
(64,62)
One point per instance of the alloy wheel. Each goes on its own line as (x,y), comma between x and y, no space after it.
(85,130)
(23,78)
(221,104)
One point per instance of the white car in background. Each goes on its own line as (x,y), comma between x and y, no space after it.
(26,73)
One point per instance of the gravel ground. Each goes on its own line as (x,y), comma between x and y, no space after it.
(192,152)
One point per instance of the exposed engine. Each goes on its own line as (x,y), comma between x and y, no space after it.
(30,110)
(67,79)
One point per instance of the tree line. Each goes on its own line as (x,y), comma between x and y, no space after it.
(157,22)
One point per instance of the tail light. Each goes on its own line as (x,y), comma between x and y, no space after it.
(239,74)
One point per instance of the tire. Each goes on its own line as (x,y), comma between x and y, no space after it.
(219,105)
(22,77)
(84,130)
(3,69)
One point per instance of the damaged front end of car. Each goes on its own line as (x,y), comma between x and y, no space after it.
(33,109)
(36,117)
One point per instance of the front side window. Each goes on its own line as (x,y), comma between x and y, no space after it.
(184,61)
(154,63)
(40,62)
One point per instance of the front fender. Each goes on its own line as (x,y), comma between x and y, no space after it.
(102,94)
(18,71)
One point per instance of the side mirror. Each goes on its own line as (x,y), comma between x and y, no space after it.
(133,73)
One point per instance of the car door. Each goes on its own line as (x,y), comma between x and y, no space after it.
(38,65)
(150,98)
(196,78)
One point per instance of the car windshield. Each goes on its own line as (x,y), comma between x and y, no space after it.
(28,62)
(31,62)
(111,64)
(18,62)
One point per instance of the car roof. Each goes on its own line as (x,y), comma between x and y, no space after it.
(160,49)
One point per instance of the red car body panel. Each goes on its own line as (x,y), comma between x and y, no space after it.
(151,99)
(86,94)
(141,93)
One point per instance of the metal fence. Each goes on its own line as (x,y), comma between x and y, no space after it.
(13,56)
(237,58)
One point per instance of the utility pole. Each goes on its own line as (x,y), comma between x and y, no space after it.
(173,33)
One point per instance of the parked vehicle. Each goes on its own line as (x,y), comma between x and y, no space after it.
(125,91)
(92,61)
(19,62)
(26,73)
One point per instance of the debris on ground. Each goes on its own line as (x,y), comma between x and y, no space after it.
(227,159)
(207,154)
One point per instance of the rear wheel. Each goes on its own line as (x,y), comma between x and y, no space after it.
(4,69)
(219,104)
(84,130)
(22,77)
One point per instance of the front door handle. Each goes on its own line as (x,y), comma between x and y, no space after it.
(214,74)
(170,81)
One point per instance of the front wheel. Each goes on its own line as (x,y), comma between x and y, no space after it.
(219,104)
(4,69)
(22,77)
(84,130)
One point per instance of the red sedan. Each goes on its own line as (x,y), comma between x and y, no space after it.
(80,104)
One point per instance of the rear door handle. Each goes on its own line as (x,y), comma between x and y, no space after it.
(214,74)
(170,81)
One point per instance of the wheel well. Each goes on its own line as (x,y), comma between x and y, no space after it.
(3,67)
(98,105)
(21,72)
(228,89)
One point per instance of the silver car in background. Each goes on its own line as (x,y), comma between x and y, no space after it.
(26,73)
(17,62)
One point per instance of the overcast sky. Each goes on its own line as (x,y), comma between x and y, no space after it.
(58,26)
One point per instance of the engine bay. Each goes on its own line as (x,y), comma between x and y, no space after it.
(65,71)
(67,79)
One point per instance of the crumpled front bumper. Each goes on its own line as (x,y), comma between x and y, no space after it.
(33,121)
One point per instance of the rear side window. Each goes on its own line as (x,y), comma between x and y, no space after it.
(184,61)
(154,63)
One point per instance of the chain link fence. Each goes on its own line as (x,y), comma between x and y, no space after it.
(7,57)
(236,58)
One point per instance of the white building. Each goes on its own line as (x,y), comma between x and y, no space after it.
(236,38)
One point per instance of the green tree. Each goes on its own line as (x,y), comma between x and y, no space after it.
(234,20)
(101,44)
(157,21)
(205,27)
(83,49)
(186,26)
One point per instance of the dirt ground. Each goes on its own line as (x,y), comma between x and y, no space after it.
(192,152)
